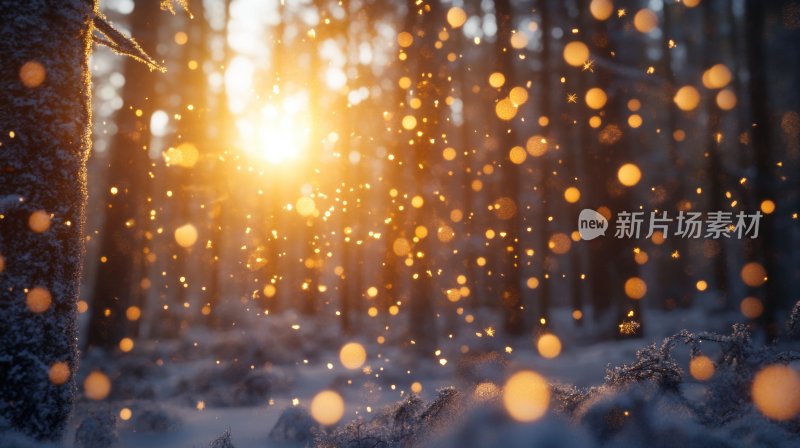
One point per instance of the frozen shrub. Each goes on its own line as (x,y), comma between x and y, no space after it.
(98,430)
(223,441)
(440,414)
(404,417)
(294,427)
(567,398)
(643,415)
(408,423)
(648,402)
(653,363)
(793,325)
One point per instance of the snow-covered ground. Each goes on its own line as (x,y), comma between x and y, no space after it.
(187,392)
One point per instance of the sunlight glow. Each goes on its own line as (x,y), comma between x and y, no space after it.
(279,133)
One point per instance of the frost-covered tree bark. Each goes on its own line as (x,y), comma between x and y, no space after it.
(44,142)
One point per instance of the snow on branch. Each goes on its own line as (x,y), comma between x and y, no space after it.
(122,44)
(167,5)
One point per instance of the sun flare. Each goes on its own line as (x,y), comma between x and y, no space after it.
(277,133)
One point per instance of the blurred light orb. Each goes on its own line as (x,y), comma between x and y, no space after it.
(526,396)
(726,99)
(645,20)
(548,345)
(572,194)
(517,155)
(691,3)
(601,9)
(497,80)
(518,96)
(126,345)
(405,39)
(635,121)
(38,300)
(184,155)
(32,74)
(409,122)
(596,98)
(629,174)
(305,206)
(269,290)
(559,243)
(445,233)
(751,307)
(701,368)
(186,235)
(456,17)
(59,373)
(401,247)
(39,221)
(505,109)
(125,414)
(536,145)
(133,313)
(767,206)
(96,386)
(576,53)
(327,408)
(519,41)
(687,98)
(181,38)
(353,355)
(635,288)
(717,77)
(753,274)
(776,392)
(505,208)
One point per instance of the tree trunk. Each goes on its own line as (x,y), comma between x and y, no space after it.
(423,324)
(44,133)
(762,145)
(121,243)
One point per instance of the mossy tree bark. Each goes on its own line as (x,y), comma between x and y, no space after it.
(44,138)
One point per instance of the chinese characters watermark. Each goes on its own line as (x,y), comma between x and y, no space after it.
(712,225)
